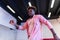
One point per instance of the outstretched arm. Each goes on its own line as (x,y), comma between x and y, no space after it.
(18,26)
(21,27)
(43,20)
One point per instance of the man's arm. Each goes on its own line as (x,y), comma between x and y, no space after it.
(21,27)
(43,20)
(18,26)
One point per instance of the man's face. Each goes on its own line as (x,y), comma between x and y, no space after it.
(31,12)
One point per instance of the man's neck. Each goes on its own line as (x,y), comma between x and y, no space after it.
(30,16)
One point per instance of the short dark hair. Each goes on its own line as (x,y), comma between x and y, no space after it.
(32,7)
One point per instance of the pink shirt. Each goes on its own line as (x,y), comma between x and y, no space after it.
(34,27)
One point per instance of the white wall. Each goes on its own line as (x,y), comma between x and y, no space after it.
(7,34)
(5,17)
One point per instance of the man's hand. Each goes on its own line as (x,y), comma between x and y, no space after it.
(54,34)
(56,37)
(12,22)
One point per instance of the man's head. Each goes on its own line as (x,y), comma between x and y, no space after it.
(31,10)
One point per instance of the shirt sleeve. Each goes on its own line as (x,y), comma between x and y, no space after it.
(45,21)
(24,26)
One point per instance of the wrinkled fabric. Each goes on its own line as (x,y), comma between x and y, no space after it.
(34,27)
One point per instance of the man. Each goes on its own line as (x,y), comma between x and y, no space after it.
(34,25)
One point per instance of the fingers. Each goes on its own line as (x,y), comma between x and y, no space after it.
(11,21)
